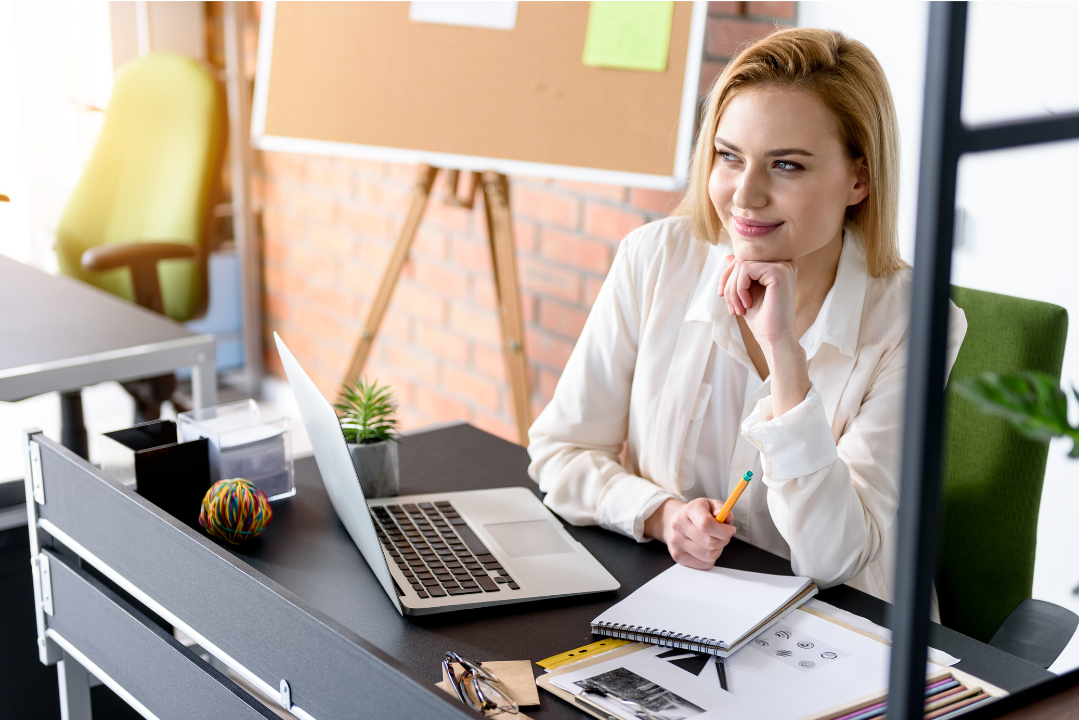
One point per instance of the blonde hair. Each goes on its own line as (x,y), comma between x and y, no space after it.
(845,76)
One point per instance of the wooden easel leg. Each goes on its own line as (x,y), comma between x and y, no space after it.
(421,191)
(504,255)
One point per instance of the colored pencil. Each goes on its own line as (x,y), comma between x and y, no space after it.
(735,494)
(943,698)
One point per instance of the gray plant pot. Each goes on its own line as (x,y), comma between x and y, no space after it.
(376,467)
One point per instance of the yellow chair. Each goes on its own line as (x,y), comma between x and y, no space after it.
(139,219)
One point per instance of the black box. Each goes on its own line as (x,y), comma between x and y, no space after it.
(173,476)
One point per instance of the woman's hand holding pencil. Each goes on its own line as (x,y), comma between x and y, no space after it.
(690,530)
(695,532)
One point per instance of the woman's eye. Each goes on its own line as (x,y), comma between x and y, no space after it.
(787,165)
(728,156)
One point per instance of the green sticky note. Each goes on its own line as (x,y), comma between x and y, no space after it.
(628,35)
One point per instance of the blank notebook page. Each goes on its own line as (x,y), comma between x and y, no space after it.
(720,604)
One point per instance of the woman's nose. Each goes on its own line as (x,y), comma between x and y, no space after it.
(752,189)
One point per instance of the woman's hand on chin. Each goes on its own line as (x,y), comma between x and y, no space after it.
(764,293)
(690,530)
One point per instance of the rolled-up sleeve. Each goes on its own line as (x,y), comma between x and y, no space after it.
(575,442)
(835,502)
(797,443)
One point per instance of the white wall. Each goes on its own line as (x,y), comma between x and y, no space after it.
(14,218)
(1019,236)
(60,57)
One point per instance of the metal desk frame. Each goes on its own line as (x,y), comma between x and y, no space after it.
(196,352)
(80,517)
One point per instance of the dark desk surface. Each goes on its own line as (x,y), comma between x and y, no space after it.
(308,551)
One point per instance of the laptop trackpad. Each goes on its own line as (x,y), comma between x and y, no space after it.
(524,539)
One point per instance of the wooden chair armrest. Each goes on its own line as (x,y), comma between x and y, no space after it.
(110,257)
(142,259)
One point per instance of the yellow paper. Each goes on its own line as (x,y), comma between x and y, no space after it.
(628,35)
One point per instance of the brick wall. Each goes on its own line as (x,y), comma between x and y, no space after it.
(329,226)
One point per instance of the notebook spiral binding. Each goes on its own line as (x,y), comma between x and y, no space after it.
(663,638)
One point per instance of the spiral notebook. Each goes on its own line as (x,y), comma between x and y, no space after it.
(715,611)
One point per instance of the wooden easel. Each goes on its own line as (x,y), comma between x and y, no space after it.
(500,231)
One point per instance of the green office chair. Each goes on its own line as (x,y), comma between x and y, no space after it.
(138,222)
(993,485)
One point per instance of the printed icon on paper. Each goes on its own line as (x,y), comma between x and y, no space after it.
(795,648)
(691,662)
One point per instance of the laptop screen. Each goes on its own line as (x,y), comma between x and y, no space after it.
(335,465)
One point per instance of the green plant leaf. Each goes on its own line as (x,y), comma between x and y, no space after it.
(1032,402)
(366,412)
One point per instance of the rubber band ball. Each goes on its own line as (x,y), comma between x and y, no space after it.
(235,511)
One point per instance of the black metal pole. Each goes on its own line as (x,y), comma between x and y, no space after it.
(72,424)
(919,490)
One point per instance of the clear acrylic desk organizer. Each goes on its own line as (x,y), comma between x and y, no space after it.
(244,445)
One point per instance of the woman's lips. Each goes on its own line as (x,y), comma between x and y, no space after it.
(753,228)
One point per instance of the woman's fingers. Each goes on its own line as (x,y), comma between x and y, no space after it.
(745,281)
(684,557)
(699,538)
(726,273)
(732,295)
(726,284)
(735,284)
(714,506)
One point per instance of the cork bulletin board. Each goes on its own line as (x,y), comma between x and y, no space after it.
(360,79)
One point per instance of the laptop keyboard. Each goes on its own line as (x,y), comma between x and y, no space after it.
(437,552)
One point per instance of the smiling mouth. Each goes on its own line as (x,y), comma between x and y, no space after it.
(753,228)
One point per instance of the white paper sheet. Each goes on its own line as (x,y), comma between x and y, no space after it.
(721,604)
(802,665)
(937,656)
(494,15)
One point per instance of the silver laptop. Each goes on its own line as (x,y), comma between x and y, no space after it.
(450,550)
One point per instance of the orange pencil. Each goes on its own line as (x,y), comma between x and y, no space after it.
(727,506)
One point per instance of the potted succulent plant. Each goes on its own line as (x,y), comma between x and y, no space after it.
(367,411)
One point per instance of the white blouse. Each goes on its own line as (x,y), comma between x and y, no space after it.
(660,378)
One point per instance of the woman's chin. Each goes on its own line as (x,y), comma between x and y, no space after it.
(752,252)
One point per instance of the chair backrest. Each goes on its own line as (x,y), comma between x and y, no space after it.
(152,177)
(993,475)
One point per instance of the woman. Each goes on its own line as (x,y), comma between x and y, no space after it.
(762,328)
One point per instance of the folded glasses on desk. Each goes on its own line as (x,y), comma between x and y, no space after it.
(476,686)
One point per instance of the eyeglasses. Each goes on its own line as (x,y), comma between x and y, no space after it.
(476,686)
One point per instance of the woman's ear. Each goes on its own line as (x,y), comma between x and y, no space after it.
(859,191)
